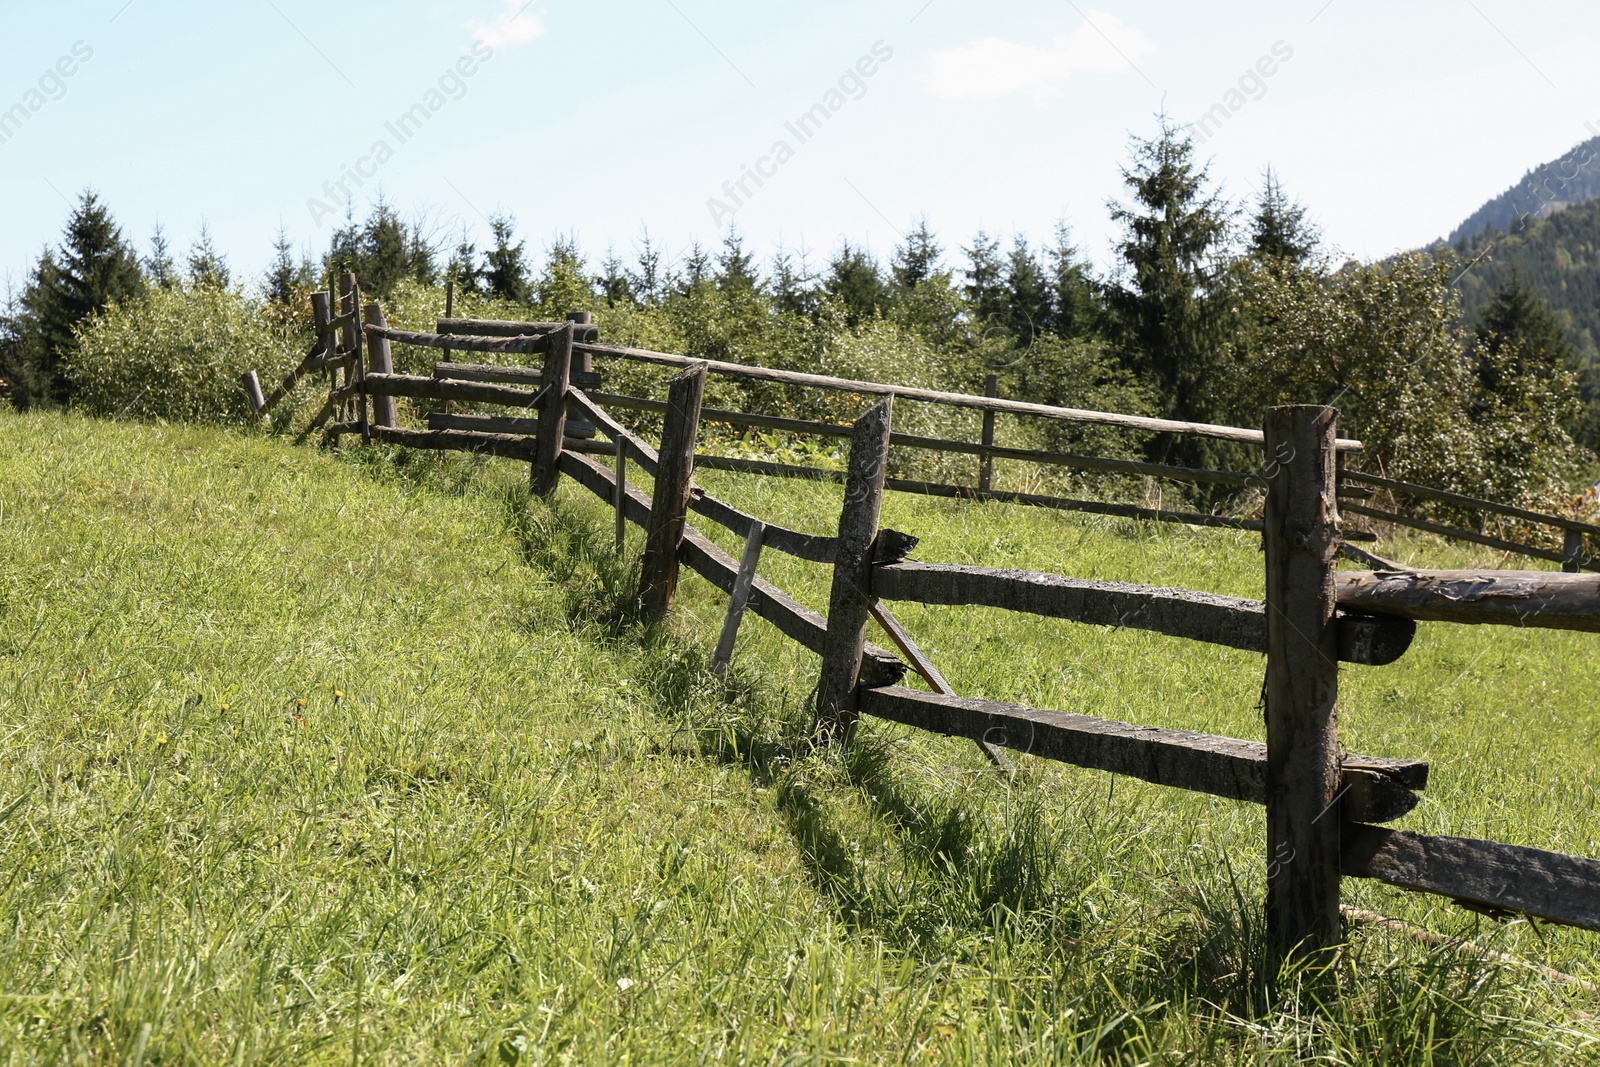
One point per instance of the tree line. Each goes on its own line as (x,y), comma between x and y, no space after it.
(1212,311)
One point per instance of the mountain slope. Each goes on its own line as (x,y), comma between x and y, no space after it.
(1544,191)
(1558,255)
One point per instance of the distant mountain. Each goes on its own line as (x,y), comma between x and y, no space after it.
(1544,191)
(1558,255)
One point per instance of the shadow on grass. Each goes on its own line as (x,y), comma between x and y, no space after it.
(983,876)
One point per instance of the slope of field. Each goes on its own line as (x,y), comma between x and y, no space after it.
(314,760)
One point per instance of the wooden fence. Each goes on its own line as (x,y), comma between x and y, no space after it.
(1324,808)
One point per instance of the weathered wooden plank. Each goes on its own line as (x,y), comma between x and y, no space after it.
(1220,766)
(506,446)
(669,503)
(1483,874)
(503,424)
(1234,622)
(1301,545)
(1456,533)
(738,600)
(813,547)
(986,462)
(619,494)
(933,396)
(638,449)
(1101,464)
(791,618)
(459,343)
(436,389)
(1545,599)
(505,328)
(529,376)
(1476,503)
(851,593)
(383,410)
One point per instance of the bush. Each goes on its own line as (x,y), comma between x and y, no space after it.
(177,354)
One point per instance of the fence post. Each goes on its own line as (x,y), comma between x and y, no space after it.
(986,463)
(253,394)
(1572,552)
(1303,763)
(383,407)
(619,496)
(321,315)
(585,359)
(553,413)
(669,503)
(851,598)
(351,330)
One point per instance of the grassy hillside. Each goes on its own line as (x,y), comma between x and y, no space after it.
(314,760)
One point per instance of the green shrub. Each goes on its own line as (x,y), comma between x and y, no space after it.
(178,354)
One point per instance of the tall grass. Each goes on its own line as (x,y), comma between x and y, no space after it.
(510,823)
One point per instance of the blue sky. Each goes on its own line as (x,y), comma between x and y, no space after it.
(1390,121)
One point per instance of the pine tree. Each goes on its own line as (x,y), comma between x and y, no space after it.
(855,282)
(1029,303)
(1279,229)
(918,259)
(563,286)
(422,253)
(207,266)
(506,264)
(614,283)
(696,270)
(735,267)
(985,279)
(648,282)
(794,283)
(463,270)
(279,286)
(95,266)
(158,265)
(1164,304)
(1074,294)
(1521,341)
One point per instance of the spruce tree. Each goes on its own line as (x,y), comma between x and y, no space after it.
(855,282)
(158,265)
(614,284)
(918,259)
(563,285)
(95,266)
(207,266)
(649,281)
(463,270)
(1279,229)
(985,280)
(1029,303)
(794,283)
(279,285)
(735,267)
(1165,307)
(1520,340)
(506,273)
(696,270)
(1074,295)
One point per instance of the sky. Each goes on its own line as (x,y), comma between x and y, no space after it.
(1390,122)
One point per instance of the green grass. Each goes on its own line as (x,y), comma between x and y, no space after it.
(508,824)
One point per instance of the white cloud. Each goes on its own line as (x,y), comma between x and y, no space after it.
(990,68)
(517,24)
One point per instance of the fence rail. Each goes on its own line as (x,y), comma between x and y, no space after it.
(1313,617)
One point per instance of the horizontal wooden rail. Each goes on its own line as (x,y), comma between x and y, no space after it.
(793,619)
(531,376)
(1543,599)
(1442,530)
(1447,497)
(936,444)
(504,328)
(934,396)
(1375,790)
(1234,622)
(503,424)
(1485,875)
(337,361)
(339,322)
(813,547)
(444,389)
(505,446)
(520,345)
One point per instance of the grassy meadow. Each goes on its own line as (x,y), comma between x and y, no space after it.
(345,759)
